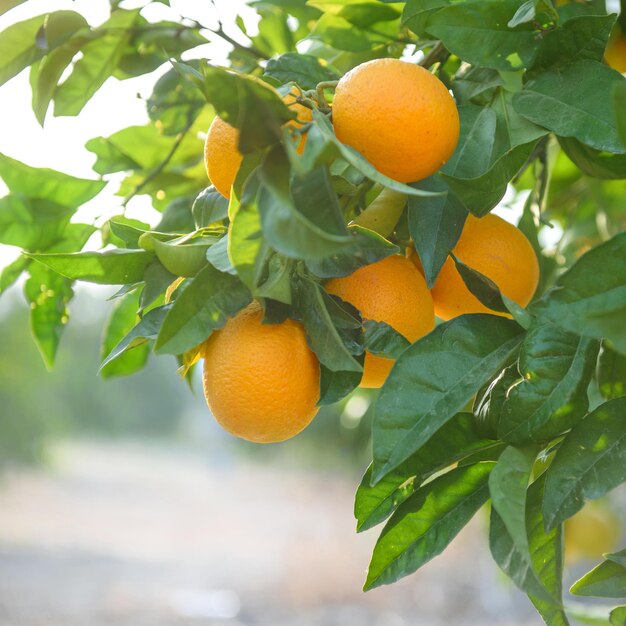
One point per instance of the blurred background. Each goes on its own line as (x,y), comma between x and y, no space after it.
(123,503)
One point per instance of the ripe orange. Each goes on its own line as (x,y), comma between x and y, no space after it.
(399,116)
(221,154)
(615,54)
(390,291)
(495,248)
(261,381)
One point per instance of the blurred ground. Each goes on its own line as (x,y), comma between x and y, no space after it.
(128,534)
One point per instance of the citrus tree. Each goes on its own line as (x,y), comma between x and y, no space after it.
(344,237)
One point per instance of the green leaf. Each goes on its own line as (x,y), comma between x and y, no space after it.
(617,557)
(57,187)
(555,368)
(243,101)
(589,463)
(31,223)
(303,69)
(209,207)
(417,14)
(26,42)
(546,550)
(594,162)
(618,616)
(477,32)
(143,147)
(301,221)
(583,37)
(607,580)
(124,232)
(424,525)
(123,318)
(508,483)
(7,5)
(157,279)
(114,267)
(571,101)
(435,225)
(174,103)
(366,247)
(611,373)
(433,380)
(619,104)
(99,60)
(320,315)
(147,329)
(481,286)
(590,298)
(329,147)
(204,306)
(339,33)
(45,75)
(10,273)
(48,295)
(335,386)
(383,340)
(452,442)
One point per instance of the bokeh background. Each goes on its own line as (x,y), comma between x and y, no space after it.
(123,503)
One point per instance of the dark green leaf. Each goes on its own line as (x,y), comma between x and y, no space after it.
(303,69)
(435,224)
(383,340)
(157,279)
(508,483)
(546,550)
(481,286)
(114,267)
(243,101)
(318,311)
(589,463)
(590,298)
(611,373)
(582,37)
(204,306)
(424,525)
(572,102)
(555,368)
(477,32)
(594,162)
(330,146)
(452,442)
(433,380)
(335,386)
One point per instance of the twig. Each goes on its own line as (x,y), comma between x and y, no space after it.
(159,168)
(433,55)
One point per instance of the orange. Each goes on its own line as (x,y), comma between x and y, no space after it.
(390,291)
(592,532)
(399,116)
(495,248)
(221,154)
(615,54)
(261,381)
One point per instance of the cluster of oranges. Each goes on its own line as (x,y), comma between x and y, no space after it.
(262,381)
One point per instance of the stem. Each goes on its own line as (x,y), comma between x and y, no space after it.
(319,90)
(432,57)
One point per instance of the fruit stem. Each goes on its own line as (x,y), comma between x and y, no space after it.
(319,90)
(383,213)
